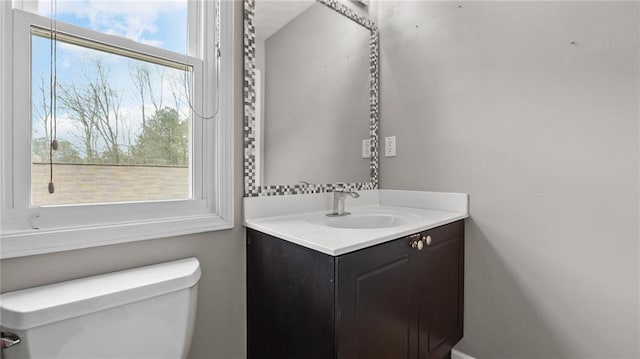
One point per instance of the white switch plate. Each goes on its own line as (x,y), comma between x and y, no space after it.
(390,146)
(366,148)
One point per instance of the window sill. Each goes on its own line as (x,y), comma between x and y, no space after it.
(32,242)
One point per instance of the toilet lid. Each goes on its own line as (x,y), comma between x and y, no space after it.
(29,308)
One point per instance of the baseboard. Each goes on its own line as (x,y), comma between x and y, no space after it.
(456,354)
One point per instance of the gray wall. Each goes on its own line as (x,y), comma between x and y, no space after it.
(220,326)
(316,100)
(494,100)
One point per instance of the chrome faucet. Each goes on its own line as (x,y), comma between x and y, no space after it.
(339,195)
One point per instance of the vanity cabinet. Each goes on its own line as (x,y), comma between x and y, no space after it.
(391,300)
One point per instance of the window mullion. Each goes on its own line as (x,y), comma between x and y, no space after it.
(197,37)
(21,119)
(194,22)
(6,98)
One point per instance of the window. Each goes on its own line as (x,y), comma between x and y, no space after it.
(139,154)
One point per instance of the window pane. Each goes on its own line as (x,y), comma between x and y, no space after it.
(159,23)
(123,128)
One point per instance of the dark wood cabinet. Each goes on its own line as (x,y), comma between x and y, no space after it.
(441,268)
(385,301)
(376,311)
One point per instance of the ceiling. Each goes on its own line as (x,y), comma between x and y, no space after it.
(272,15)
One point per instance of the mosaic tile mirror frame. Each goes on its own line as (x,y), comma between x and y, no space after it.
(253,189)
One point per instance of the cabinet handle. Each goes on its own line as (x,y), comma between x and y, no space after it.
(428,240)
(416,242)
(419,244)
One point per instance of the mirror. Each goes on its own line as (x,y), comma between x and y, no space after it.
(310,97)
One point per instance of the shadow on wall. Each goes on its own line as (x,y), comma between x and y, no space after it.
(489,273)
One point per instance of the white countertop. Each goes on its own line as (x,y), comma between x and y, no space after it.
(302,219)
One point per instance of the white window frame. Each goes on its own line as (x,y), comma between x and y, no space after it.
(80,226)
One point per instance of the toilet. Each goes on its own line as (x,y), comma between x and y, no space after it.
(146,312)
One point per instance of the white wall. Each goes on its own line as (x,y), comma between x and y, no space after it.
(492,99)
(221,318)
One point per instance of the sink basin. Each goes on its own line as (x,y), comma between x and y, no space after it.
(365,221)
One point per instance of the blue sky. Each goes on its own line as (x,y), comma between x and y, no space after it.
(157,23)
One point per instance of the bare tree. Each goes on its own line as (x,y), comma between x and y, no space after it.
(141,76)
(107,103)
(42,109)
(80,106)
(178,86)
(141,81)
(105,132)
(156,99)
(95,108)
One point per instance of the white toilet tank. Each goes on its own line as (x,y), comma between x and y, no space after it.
(146,312)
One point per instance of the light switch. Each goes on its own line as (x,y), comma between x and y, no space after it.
(366,148)
(390,146)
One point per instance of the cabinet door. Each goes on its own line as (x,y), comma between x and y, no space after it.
(376,315)
(290,300)
(441,265)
